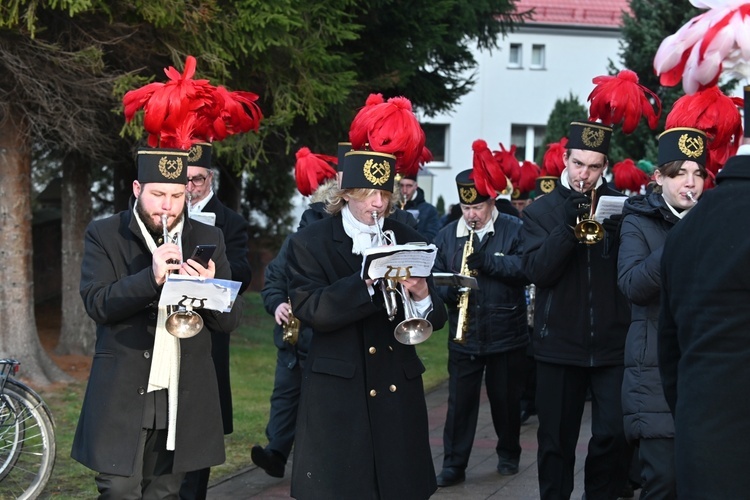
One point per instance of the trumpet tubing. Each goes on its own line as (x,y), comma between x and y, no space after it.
(290,333)
(588,230)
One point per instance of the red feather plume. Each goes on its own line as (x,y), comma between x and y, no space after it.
(487,175)
(552,162)
(717,115)
(183,111)
(311,170)
(621,99)
(529,171)
(508,162)
(629,177)
(390,127)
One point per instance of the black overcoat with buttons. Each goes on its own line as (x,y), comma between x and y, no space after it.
(121,295)
(362,426)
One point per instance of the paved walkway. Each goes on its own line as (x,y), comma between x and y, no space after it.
(482,478)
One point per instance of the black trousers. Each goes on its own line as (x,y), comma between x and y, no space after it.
(153,478)
(282,419)
(504,377)
(658,479)
(560,400)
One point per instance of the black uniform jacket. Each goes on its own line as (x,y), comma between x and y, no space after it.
(497,310)
(362,421)
(120,294)
(704,338)
(581,317)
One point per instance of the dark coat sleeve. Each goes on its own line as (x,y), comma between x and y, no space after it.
(236,240)
(638,268)
(547,250)
(275,290)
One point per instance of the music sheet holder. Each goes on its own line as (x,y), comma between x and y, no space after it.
(459,280)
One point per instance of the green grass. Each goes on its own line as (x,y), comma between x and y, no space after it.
(253,361)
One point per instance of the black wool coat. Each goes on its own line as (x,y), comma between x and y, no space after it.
(704,338)
(581,318)
(362,423)
(120,294)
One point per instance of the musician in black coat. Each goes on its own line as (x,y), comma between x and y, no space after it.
(362,429)
(130,430)
(493,347)
(580,323)
(704,352)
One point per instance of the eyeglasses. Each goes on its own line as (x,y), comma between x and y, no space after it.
(197,181)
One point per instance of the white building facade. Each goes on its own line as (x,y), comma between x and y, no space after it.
(516,87)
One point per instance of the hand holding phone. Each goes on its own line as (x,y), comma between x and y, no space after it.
(202,254)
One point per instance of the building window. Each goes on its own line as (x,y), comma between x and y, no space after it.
(436,139)
(527,139)
(515,57)
(537,57)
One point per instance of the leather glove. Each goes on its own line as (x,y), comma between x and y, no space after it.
(612,224)
(478,261)
(575,205)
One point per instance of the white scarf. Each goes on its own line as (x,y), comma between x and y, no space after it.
(362,235)
(165,361)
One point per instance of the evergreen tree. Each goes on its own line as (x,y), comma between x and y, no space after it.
(564,111)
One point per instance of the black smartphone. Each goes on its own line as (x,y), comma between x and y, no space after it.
(202,254)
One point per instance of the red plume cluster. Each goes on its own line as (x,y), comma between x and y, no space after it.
(312,169)
(717,115)
(183,111)
(508,162)
(621,99)
(529,172)
(487,175)
(390,127)
(628,176)
(552,162)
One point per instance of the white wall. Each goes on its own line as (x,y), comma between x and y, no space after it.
(504,96)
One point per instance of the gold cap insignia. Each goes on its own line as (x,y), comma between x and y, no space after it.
(547,185)
(468,194)
(690,146)
(377,173)
(195,153)
(592,137)
(170,168)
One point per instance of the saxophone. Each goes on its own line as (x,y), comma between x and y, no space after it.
(291,328)
(462,326)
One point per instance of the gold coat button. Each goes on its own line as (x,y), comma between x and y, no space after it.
(372,350)
(373,393)
(392,388)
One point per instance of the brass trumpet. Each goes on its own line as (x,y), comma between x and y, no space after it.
(413,329)
(182,321)
(588,230)
(290,333)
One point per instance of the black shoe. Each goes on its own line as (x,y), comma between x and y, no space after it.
(268,460)
(450,477)
(507,468)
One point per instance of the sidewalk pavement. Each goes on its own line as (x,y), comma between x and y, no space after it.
(482,479)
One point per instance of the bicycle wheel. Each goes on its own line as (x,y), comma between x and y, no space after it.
(30,458)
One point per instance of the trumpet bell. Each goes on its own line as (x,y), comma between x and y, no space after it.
(184,323)
(413,331)
(589,231)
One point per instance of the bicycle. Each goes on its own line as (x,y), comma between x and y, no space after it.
(27,437)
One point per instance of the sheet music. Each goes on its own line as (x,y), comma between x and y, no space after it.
(608,205)
(398,261)
(459,280)
(204,217)
(199,293)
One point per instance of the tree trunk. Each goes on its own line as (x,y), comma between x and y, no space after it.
(19,338)
(78,331)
